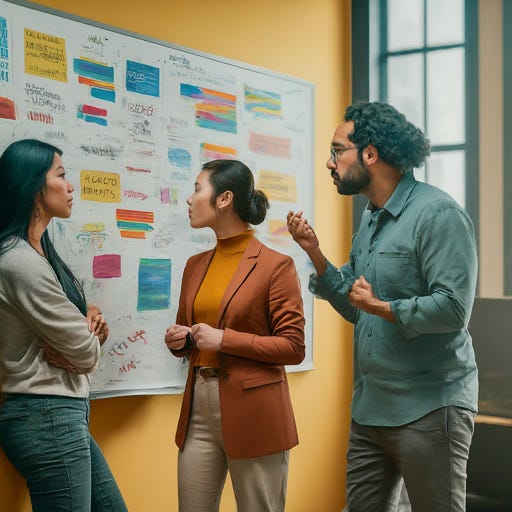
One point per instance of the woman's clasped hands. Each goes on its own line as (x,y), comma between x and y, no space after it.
(202,335)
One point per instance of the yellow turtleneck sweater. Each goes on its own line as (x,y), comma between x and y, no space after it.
(228,254)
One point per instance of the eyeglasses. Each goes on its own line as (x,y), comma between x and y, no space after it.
(338,151)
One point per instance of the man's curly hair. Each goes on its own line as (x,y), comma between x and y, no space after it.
(398,141)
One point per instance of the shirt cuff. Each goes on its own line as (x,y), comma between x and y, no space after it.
(407,332)
(331,281)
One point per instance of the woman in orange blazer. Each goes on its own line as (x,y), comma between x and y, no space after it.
(239,320)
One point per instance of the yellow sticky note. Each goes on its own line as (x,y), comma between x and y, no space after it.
(278,186)
(45,55)
(278,228)
(103,187)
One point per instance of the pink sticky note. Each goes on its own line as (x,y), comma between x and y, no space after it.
(106,266)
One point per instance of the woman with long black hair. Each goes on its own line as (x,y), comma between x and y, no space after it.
(49,343)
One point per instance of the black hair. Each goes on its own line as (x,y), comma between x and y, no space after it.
(398,141)
(23,168)
(249,204)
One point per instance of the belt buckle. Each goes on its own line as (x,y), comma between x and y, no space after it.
(207,373)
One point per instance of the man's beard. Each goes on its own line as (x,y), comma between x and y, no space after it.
(355,179)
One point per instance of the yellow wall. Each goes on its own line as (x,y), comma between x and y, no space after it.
(308,39)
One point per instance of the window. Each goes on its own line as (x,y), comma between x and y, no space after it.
(421,70)
(421,57)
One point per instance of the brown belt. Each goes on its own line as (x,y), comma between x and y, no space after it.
(206,372)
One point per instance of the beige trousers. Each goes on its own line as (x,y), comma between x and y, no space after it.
(259,484)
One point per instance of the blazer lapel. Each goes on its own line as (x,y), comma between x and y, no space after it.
(247,263)
(195,282)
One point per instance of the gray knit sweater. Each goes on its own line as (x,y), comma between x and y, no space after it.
(33,307)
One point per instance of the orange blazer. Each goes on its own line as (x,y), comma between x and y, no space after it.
(263,321)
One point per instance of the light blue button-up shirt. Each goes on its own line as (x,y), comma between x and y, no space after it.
(419,253)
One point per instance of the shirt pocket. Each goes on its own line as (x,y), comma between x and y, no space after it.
(391,274)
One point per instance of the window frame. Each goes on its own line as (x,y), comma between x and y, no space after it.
(361,77)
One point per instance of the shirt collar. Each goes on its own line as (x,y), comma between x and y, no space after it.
(396,203)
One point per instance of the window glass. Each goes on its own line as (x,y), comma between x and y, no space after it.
(424,82)
(445,22)
(405,87)
(420,174)
(445,96)
(446,170)
(405,24)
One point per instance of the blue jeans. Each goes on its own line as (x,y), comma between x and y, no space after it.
(47,440)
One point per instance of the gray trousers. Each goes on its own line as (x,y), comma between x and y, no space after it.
(430,454)
(259,484)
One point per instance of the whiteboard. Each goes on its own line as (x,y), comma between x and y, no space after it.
(136,118)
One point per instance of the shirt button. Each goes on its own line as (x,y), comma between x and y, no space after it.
(370,332)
